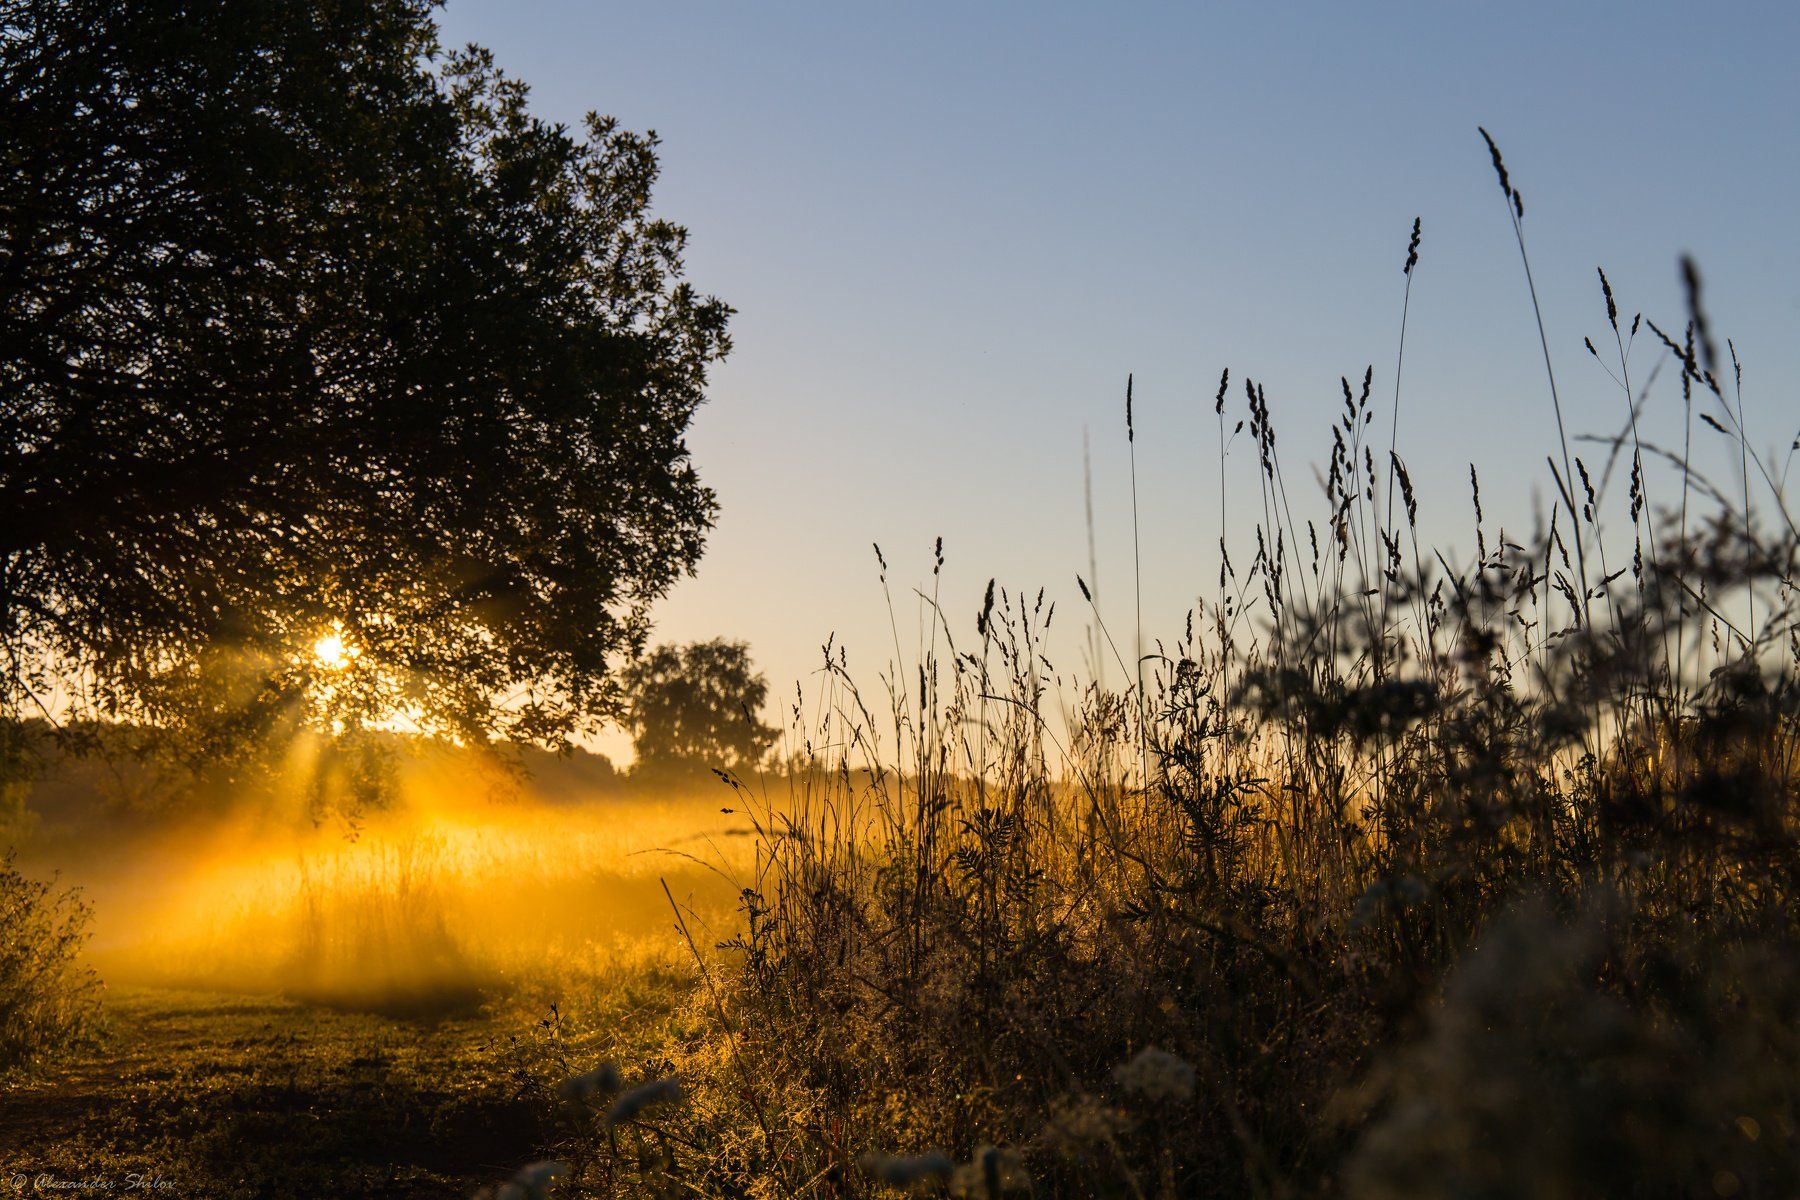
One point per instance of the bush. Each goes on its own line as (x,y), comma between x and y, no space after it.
(48,1001)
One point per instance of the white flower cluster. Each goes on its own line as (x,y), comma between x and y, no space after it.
(992,1172)
(1156,1075)
(592,1086)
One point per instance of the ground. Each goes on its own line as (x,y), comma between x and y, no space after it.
(223,1096)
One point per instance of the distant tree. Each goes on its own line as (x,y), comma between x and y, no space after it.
(696,706)
(330,377)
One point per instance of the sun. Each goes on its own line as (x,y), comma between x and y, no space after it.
(334,653)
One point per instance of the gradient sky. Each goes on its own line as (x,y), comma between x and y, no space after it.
(950,231)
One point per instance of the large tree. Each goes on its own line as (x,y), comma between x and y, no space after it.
(312,334)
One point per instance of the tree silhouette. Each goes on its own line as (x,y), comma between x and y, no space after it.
(696,706)
(311,331)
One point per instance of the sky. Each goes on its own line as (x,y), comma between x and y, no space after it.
(951,230)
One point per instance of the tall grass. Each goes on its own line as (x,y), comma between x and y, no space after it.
(1394,877)
(48,998)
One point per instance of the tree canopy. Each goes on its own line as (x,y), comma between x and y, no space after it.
(311,334)
(697,706)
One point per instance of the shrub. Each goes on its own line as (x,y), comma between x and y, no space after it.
(48,1000)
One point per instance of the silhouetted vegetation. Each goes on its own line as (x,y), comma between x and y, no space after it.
(1396,877)
(48,999)
(311,330)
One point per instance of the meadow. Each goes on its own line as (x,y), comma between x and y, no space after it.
(1389,876)
(265,1004)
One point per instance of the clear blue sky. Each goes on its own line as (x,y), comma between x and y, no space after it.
(951,229)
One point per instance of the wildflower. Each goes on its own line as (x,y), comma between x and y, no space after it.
(906,1171)
(1075,1123)
(603,1080)
(1156,1075)
(644,1095)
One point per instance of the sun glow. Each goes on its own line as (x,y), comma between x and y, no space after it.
(334,653)
(458,884)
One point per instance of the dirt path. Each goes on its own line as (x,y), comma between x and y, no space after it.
(207,1095)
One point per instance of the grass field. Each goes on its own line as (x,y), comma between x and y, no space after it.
(211,1094)
(384,1010)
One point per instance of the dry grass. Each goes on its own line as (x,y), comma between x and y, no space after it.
(1393,878)
(48,997)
